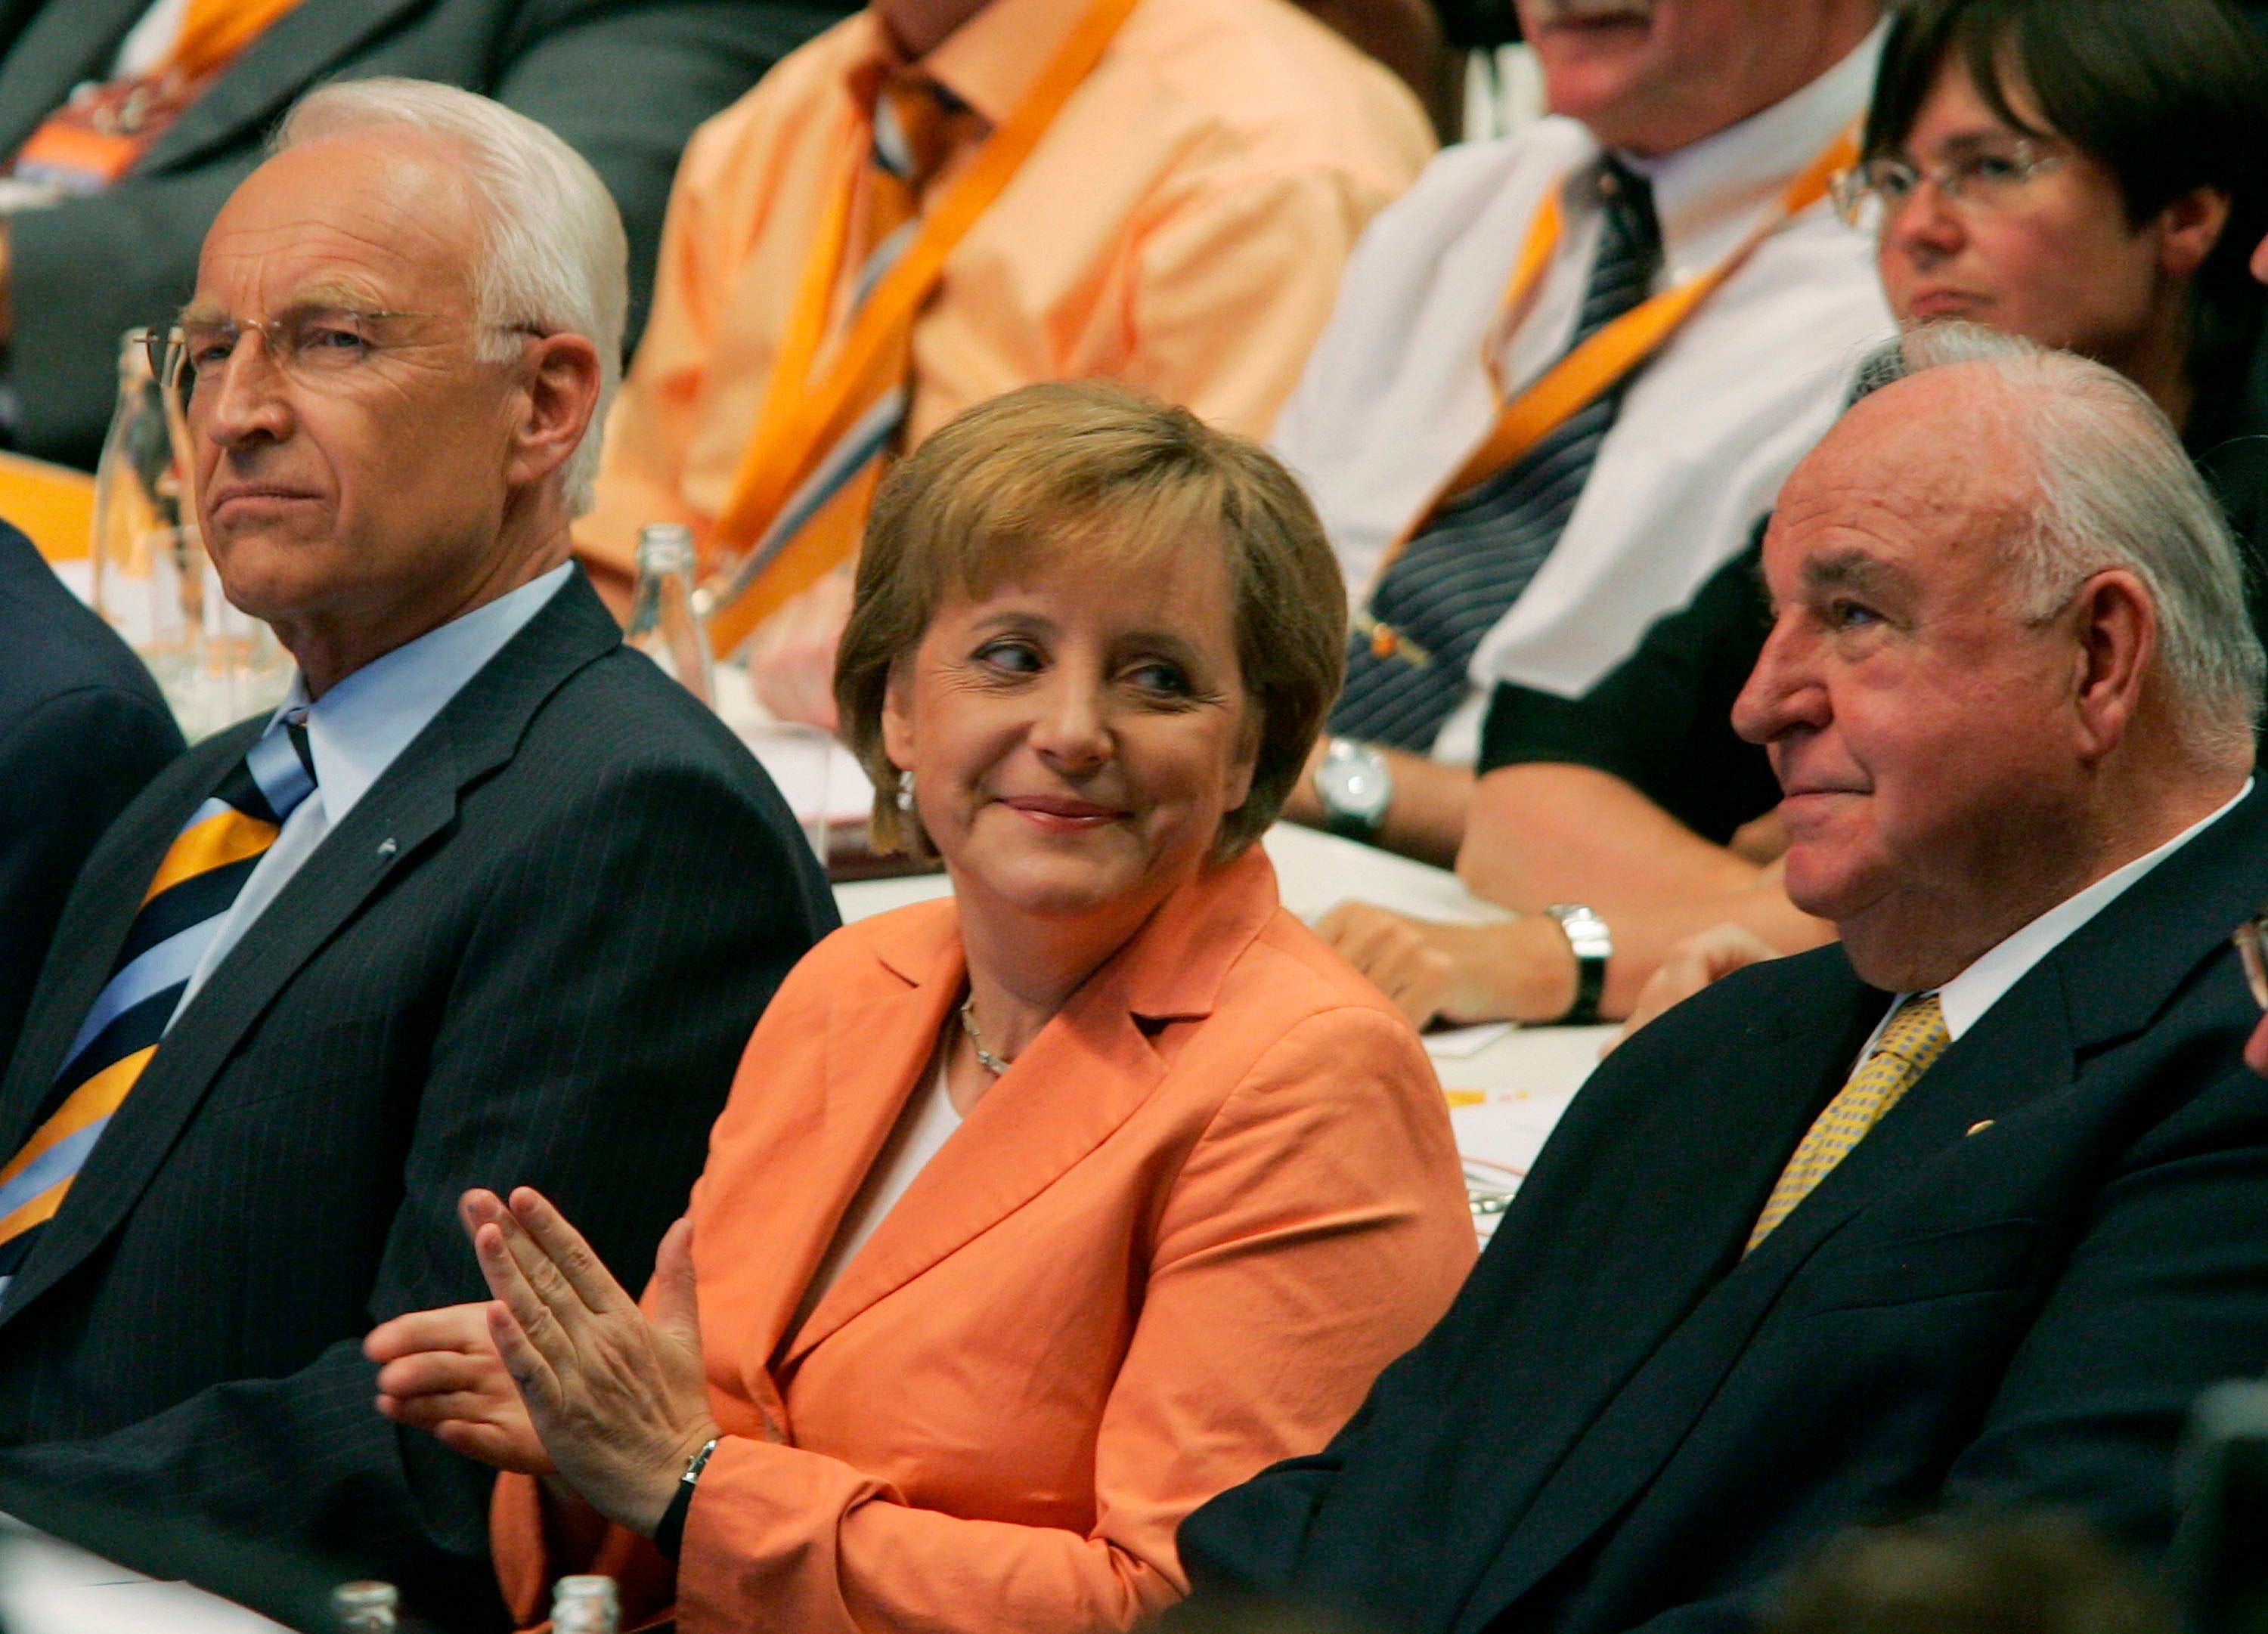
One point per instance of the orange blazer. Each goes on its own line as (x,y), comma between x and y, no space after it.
(1173,1244)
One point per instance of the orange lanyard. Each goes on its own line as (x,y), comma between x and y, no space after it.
(214,31)
(104,130)
(803,415)
(1614,350)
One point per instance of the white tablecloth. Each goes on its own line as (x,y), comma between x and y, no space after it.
(47,1587)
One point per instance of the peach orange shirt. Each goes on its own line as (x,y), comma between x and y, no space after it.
(1179,228)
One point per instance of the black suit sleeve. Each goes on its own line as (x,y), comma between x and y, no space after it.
(1660,720)
(66,769)
(619,960)
(1246,1546)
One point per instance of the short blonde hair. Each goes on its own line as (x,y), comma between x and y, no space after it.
(1095,468)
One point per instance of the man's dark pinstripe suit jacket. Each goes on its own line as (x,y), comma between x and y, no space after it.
(532,954)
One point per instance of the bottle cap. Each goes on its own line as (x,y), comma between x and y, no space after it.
(584,1590)
(366,1597)
(664,547)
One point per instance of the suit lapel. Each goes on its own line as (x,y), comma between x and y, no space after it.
(1629,1266)
(2016,1055)
(1077,1082)
(295,54)
(68,41)
(2102,984)
(410,806)
(878,1057)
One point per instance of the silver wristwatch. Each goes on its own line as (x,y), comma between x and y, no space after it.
(1355,786)
(1586,934)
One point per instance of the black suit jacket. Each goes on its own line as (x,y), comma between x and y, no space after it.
(82,729)
(532,954)
(624,81)
(2008,1292)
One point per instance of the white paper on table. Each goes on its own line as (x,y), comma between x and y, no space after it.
(47,1587)
(795,771)
(843,789)
(78,577)
(1500,1131)
(1456,1043)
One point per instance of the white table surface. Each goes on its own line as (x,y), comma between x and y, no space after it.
(1506,1085)
(48,1587)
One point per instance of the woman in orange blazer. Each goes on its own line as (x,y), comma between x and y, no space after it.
(1039,1215)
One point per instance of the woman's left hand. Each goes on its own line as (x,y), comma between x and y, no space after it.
(620,1402)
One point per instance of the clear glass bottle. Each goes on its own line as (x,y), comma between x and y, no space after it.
(586,1605)
(152,579)
(149,569)
(664,624)
(365,1608)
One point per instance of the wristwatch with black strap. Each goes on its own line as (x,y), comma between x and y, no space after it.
(1587,935)
(1355,786)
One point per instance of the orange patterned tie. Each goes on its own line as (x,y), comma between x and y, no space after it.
(1913,1039)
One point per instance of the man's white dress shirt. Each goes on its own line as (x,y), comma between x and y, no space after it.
(1965,998)
(1395,396)
(359,728)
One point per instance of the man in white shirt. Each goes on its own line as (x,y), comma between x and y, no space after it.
(1961,1212)
(1695,140)
(487,896)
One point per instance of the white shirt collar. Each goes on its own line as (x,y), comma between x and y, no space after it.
(1976,990)
(1709,194)
(360,727)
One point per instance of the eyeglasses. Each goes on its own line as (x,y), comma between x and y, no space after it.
(1992,177)
(2251,939)
(321,347)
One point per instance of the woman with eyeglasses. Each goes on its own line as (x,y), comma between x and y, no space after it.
(2091,174)
(2088,175)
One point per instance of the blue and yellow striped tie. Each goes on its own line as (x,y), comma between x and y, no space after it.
(181,913)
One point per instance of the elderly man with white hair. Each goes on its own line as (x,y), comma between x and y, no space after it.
(1961,1212)
(488,897)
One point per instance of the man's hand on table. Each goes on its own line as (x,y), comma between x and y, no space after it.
(1514,970)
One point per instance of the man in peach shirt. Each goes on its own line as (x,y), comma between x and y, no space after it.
(1179,225)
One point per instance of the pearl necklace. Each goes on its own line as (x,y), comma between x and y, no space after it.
(992,1063)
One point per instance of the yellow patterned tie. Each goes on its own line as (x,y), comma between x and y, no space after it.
(1914,1038)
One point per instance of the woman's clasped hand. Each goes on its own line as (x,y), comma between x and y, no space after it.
(561,1374)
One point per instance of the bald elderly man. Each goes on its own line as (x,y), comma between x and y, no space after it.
(487,899)
(1962,1210)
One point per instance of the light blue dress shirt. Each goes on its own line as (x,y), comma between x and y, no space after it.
(359,728)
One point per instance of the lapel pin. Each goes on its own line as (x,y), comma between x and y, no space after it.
(1980,1126)
(386,847)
